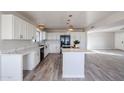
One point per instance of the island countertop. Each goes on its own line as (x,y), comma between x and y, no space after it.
(74,50)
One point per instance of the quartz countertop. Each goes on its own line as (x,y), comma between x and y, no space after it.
(17,46)
(19,50)
(74,50)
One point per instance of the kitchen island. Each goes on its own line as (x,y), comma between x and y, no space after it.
(73,62)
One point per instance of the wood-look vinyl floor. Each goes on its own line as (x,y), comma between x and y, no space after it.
(100,65)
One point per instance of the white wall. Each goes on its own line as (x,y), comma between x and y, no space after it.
(100,40)
(119,40)
(81,36)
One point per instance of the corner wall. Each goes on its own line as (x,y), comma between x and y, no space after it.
(100,40)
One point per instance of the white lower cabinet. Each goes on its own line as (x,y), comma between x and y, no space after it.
(32,60)
(46,51)
(12,65)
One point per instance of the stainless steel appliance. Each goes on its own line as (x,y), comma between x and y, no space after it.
(41,52)
(65,41)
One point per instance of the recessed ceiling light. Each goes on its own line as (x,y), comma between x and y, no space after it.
(71,28)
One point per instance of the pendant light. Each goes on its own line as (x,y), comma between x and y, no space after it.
(70,28)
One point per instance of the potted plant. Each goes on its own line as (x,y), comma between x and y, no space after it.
(76,43)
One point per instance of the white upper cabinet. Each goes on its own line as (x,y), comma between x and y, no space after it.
(6,27)
(20,28)
(14,27)
(44,35)
(23,32)
(29,31)
(34,32)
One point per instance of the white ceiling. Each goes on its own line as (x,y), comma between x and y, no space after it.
(58,19)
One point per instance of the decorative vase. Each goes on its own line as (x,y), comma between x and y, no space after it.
(76,45)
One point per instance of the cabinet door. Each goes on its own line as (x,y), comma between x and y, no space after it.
(44,35)
(34,32)
(6,27)
(11,67)
(45,52)
(29,31)
(41,36)
(17,28)
(46,48)
(23,29)
(37,57)
(58,36)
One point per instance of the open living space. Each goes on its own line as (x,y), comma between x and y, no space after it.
(61,46)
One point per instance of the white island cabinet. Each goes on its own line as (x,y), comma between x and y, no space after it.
(73,63)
